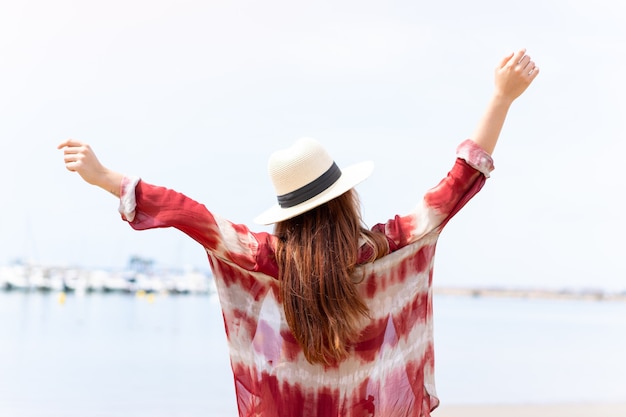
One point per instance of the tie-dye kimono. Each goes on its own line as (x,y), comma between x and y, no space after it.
(390,371)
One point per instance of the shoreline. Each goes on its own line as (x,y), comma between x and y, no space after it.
(532,293)
(535,410)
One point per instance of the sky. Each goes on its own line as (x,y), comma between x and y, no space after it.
(195,95)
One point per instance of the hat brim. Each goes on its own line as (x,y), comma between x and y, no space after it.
(350,177)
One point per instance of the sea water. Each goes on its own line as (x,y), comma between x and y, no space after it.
(123,355)
(502,350)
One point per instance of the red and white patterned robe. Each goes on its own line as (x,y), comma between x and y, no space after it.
(390,371)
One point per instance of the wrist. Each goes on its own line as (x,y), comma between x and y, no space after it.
(501,99)
(109,181)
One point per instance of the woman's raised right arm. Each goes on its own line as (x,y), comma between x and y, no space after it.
(513,75)
(80,158)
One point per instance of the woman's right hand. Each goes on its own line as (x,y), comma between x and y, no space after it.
(514,74)
(80,158)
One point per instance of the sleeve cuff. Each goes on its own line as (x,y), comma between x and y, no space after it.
(128,203)
(475,157)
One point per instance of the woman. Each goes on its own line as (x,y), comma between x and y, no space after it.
(324,317)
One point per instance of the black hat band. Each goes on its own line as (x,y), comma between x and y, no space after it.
(311,189)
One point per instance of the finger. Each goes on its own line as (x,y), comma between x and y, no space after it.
(519,55)
(505,60)
(72,150)
(530,67)
(72,158)
(69,143)
(523,62)
(533,74)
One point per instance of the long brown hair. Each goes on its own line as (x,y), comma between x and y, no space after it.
(317,253)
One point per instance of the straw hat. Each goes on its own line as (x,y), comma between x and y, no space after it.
(305,176)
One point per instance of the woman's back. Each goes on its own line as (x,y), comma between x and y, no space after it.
(388,371)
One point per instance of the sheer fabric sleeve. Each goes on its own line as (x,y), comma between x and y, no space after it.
(439,204)
(145,206)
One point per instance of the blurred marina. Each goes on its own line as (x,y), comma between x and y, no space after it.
(139,276)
